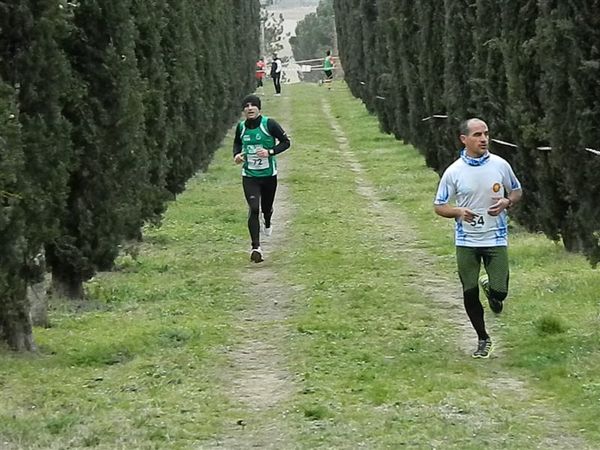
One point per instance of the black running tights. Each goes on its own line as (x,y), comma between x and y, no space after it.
(260,195)
(475,311)
(277,82)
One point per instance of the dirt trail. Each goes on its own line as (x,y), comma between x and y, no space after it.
(257,378)
(403,240)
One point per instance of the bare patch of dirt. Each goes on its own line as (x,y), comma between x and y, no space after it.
(446,293)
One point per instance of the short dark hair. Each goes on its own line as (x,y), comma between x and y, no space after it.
(464,126)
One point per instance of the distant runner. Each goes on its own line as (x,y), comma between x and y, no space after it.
(260,71)
(276,68)
(255,146)
(484,186)
(328,64)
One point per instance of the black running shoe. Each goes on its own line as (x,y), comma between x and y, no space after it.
(495,305)
(484,348)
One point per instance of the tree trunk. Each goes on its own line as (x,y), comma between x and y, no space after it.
(571,239)
(66,285)
(15,321)
(38,299)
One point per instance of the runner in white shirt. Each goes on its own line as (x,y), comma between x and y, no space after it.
(483,186)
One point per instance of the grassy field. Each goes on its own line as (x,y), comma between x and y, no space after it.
(377,356)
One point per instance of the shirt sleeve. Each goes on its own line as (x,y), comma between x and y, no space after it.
(510,180)
(283,141)
(446,189)
(237,141)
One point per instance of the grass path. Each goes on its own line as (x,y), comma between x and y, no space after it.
(350,335)
(258,374)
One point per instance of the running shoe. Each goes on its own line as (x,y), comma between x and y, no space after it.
(268,231)
(484,348)
(256,255)
(495,305)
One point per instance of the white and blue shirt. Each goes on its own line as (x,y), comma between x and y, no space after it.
(478,183)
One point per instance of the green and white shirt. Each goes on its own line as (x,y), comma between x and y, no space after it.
(254,140)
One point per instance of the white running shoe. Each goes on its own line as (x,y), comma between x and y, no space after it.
(256,255)
(269,231)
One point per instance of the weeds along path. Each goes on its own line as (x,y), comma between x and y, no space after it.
(403,241)
(257,378)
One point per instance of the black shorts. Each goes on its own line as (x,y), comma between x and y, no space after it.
(328,74)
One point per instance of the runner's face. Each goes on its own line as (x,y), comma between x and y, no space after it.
(251,111)
(476,142)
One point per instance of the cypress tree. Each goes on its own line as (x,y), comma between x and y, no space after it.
(15,325)
(438,134)
(385,91)
(218,97)
(524,113)
(150,24)
(386,74)
(458,57)
(33,63)
(107,185)
(367,21)
(348,19)
(586,92)
(555,29)
(245,49)
(488,79)
(181,67)
(566,72)
(409,53)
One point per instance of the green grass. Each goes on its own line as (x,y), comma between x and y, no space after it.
(376,363)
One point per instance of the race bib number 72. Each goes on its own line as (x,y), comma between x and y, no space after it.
(256,162)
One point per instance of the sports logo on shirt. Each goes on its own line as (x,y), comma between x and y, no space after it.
(496,187)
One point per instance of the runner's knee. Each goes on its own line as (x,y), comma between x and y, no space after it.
(253,207)
(471,296)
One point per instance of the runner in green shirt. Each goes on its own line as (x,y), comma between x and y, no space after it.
(257,140)
(328,64)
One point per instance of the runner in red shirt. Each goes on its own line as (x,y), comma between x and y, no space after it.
(260,71)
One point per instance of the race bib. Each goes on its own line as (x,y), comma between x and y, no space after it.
(481,223)
(254,161)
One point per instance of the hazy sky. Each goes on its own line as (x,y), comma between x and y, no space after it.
(284,4)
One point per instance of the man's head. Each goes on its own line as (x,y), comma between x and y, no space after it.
(251,106)
(475,137)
